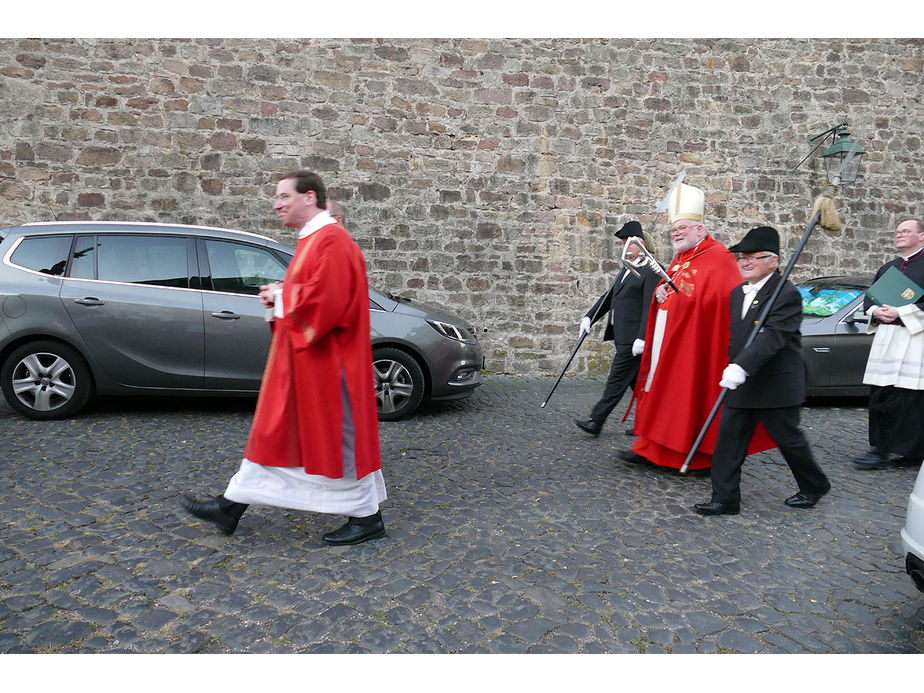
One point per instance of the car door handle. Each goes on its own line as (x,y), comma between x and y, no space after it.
(821,350)
(226,315)
(89,301)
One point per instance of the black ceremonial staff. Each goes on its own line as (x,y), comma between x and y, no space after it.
(578,345)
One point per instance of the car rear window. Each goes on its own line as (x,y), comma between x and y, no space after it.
(823,300)
(132,259)
(45,254)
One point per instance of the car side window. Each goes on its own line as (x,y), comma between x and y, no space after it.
(45,254)
(83,262)
(238,268)
(132,259)
(826,300)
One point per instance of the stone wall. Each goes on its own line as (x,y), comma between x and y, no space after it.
(485,176)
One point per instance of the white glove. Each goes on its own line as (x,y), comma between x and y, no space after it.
(733,376)
(638,346)
(585,326)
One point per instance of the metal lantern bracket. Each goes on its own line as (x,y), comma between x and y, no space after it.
(842,150)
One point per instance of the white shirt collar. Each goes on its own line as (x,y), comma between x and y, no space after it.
(908,257)
(750,289)
(319,220)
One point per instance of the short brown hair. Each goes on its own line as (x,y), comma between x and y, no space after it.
(308,180)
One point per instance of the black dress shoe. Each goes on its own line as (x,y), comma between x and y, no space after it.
(805,500)
(872,459)
(357,530)
(717,508)
(633,457)
(588,426)
(224,513)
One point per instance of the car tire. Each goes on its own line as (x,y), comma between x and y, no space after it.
(399,383)
(46,380)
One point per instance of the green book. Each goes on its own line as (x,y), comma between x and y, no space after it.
(894,289)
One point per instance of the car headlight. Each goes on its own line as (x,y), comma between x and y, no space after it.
(449,330)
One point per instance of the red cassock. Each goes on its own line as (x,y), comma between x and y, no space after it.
(694,352)
(325,333)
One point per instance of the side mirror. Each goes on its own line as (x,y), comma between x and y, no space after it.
(857,316)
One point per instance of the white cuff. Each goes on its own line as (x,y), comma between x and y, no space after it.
(912,317)
(278,310)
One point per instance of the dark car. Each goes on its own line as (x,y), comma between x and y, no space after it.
(115,308)
(834,339)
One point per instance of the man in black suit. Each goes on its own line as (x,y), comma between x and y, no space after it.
(627,301)
(765,381)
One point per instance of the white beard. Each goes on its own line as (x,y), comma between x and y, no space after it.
(687,244)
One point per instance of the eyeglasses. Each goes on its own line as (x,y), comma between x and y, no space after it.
(753,258)
(905,232)
(684,227)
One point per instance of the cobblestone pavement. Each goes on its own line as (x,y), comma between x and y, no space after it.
(509,531)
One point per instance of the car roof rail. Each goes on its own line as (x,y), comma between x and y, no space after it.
(147,223)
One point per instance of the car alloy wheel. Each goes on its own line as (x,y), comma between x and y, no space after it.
(399,383)
(46,380)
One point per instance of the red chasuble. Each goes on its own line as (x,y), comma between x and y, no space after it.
(325,333)
(694,352)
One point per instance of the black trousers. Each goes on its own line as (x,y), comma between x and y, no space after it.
(736,428)
(623,372)
(895,421)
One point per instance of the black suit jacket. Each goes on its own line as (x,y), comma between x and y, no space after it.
(773,361)
(628,303)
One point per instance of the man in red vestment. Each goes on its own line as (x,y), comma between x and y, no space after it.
(686,344)
(314,441)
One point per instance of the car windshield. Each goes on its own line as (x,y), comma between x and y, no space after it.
(823,297)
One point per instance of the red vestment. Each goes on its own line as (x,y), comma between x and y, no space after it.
(694,352)
(324,333)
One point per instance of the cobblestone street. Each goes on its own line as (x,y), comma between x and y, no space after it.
(509,531)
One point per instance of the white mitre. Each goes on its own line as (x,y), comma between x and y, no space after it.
(686,202)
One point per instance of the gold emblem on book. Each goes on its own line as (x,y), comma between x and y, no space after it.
(907,294)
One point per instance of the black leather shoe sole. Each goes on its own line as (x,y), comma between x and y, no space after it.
(211,512)
(872,460)
(717,508)
(801,501)
(335,539)
(587,427)
(804,500)
(354,533)
(632,457)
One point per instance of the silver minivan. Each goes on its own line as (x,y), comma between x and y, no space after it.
(119,308)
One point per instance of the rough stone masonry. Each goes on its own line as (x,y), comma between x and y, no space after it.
(485,176)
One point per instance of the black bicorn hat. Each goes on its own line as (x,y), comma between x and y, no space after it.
(757,239)
(630,228)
